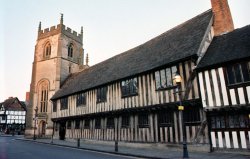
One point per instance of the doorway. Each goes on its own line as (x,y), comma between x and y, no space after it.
(42,128)
(62,130)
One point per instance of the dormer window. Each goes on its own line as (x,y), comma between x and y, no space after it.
(47,49)
(70,50)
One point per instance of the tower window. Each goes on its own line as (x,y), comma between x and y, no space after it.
(70,50)
(43,96)
(47,52)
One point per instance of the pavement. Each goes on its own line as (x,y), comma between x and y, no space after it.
(138,150)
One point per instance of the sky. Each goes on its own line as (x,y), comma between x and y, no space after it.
(110,27)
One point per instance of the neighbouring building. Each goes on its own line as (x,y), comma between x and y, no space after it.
(224,79)
(58,53)
(12,116)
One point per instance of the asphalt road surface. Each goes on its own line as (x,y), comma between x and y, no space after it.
(16,149)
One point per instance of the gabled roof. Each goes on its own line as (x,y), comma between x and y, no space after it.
(232,46)
(174,45)
(13,104)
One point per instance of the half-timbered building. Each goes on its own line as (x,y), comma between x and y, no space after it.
(224,80)
(131,97)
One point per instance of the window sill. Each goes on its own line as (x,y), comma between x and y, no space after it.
(167,88)
(192,123)
(125,127)
(98,102)
(143,126)
(129,95)
(236,85)
(82,105)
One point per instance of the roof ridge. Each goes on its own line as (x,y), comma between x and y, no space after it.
(128,51)
(178,43)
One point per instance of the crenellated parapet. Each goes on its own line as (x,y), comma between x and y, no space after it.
(60,28)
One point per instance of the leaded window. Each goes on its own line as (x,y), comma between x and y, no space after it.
(98,123)
(129,87)
(64,103)
(86,124)
(125,121)
(164,77)
(143,120)
(43,96)
(110,122)
(47,50)
(77,124)
(54,106)
(70,50)
(191,115)
(230,121)
(238,73)
(101,94)
(165,118)
(81,99)
(69,125)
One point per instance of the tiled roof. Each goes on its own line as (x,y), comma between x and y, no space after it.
(13,104)
(181,42)
(228,47)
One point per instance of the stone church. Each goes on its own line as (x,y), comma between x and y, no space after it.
(58,53)
(133,97)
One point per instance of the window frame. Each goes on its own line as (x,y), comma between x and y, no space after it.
(81,99)
(231,75)
(64,103)
(98,123)
(166,118)
(47,50)
(77,124)
(69,124)
(70,50)
(110,123)
(229,121)
(143,120)
(128,89)
(87,126)
(165,72)
(192,115)
(54,103)
(125,121)
(101,94)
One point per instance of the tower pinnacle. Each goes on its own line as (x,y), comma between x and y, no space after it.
(39,27)
(87,59)
(61,20)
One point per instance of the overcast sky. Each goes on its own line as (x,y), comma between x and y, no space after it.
(110,27)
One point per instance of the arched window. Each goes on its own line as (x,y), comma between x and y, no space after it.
(70,50)
(43,96)
(47,49)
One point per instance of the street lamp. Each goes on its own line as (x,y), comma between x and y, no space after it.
(35,118)
(177,80)
(116,140)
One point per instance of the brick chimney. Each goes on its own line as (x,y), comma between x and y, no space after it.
(223,21)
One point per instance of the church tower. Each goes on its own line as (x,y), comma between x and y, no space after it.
(58,53)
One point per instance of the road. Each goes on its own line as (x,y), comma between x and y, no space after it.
(16,149)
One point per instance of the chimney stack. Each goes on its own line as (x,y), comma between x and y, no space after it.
(223,21)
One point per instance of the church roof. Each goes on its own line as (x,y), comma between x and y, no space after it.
(180,42)
(229,47)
